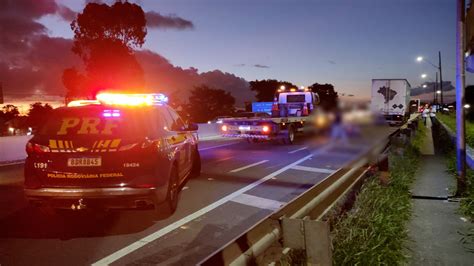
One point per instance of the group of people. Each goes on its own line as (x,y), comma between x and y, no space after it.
(428,111)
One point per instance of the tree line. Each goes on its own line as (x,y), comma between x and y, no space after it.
(206,103)
(105,39)
(12,122)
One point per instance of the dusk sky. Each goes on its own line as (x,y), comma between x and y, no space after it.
(343,42)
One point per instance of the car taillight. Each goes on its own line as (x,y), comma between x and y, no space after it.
(224,128)
(33,148)
(266,129)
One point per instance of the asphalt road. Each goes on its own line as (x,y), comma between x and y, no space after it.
(240,184)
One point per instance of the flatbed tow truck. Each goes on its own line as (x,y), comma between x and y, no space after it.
(292,112)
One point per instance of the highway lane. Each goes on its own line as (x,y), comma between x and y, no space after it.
(240,184)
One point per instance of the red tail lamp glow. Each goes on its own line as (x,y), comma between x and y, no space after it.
(266,129)
(36,148)
(224,128)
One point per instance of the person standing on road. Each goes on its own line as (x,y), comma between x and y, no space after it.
(432,113)
(425,113)
(338,130)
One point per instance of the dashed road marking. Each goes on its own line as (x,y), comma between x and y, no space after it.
(258,202)
(167,229)
(247,166)
(313,169)
(295,151)
(217,146)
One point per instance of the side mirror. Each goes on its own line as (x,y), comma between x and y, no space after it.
(192,127)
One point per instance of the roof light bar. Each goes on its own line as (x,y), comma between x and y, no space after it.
(132,99)
(77,103)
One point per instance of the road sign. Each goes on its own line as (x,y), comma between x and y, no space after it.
(262,107)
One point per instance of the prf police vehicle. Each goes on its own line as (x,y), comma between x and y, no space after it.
(120,151)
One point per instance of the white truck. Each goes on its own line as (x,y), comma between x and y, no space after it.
(391,99)
(291,113)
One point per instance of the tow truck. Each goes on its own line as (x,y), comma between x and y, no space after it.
(292,112)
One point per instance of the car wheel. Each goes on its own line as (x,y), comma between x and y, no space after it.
(290,136)
(173,191)
(196,168)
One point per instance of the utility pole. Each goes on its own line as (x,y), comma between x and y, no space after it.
(440,77)
(460,88)
(435,89)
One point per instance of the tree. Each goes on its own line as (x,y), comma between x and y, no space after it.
(105,38)
(9,112)
(74,82)
(207,103)
(266,88)
(122,23)
(38,114)
(328,98)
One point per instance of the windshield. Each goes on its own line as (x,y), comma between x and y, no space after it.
(295,98)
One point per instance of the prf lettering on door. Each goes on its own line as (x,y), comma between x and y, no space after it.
(88,125)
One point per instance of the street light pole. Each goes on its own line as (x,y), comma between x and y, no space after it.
(435,88)
(440,77)
(460,88)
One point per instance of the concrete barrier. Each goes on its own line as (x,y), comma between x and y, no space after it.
(12,148)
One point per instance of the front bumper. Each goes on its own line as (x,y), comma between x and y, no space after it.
(111,198)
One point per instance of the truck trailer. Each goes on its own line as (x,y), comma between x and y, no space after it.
(391,99)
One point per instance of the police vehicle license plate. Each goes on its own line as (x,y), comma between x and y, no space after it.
(244,127)
(84,161)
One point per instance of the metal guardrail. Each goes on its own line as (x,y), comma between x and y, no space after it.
(298,223)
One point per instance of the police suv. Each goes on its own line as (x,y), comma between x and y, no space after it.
(119,151)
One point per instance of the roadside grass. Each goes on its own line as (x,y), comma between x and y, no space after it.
(374,232)
(467,203)
(450,121)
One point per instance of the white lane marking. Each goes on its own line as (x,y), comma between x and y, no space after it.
(13,163)
(165,230)
(247,166)
(313,169)
(258,202)
(304,148)
(217,146)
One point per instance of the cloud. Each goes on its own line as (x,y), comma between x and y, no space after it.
(239,65)
(331,62)
(161,75)
(261,66)
(31,60)
(156,20)
(66,13)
